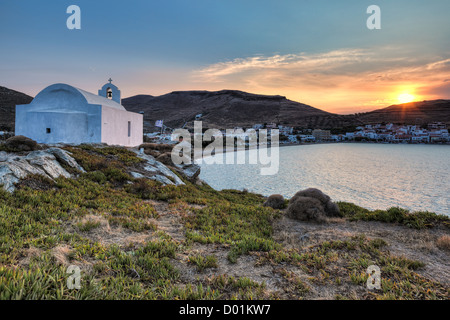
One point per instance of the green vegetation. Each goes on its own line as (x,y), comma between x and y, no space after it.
(203,262)
(46,225)
(245,227)
(43,220)
(339,262)
(417,220)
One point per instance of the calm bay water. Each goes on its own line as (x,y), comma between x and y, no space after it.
(374,176)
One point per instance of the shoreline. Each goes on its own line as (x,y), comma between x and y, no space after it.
(324,142)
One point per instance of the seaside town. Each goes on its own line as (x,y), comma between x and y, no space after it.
(431,133)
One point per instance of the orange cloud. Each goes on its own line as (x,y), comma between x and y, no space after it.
(346,81)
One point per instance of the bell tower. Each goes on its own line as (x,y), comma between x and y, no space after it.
(110,91)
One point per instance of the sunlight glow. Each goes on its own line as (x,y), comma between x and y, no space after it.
(405,98)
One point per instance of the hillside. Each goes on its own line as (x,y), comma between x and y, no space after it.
(8,101)
(421,112)
(231,108)
(134,237)
(228,109)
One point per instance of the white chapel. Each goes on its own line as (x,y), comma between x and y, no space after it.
(63,113)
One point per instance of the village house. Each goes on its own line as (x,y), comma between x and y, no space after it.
(321,135)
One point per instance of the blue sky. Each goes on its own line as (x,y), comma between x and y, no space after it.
(317,52)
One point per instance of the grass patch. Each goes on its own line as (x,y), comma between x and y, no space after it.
(203,262)
(245,227)
(416,220)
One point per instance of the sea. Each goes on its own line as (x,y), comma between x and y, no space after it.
(372,175)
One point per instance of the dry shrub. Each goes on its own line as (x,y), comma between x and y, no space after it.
(61,253)
(332,209)
(153,153)
(275,201)
(29,254)
(443,242)
(160,147)
(306,208)
(312,204)
(21,143)
(37,182)
(313,193)
(92,219)
(143,188)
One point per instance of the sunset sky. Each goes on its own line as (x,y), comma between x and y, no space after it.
(315,52)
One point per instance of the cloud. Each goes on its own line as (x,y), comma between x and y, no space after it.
(351,77)
(298,62)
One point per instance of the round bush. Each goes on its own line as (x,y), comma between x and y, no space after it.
(306,209)
(275,201)
(21,143)
(312,204)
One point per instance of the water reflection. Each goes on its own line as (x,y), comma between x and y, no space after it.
(375,176)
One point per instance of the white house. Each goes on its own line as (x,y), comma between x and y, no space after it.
(62,113)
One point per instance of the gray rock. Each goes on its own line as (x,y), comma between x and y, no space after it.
(164,180)
(40,162)
(190,171)
(150,169)
(39,155)
(7,178)
(163,173)
(48,163)
(51,167)
(64,157)
(3,156)
(168,173)
(137,175)
(21,168)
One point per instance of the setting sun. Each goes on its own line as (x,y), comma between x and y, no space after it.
(405,98)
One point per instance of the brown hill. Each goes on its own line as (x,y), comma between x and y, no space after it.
(8,101)
(228,109)
(422,112)
(231,108)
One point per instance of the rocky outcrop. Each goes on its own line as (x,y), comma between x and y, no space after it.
(64,157)
(190,171)
(42,162)
(52,163)
(162,153)
(158,171)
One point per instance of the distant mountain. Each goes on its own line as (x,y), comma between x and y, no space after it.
(410,113)
(228,109)
(8,101)
(232,108)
